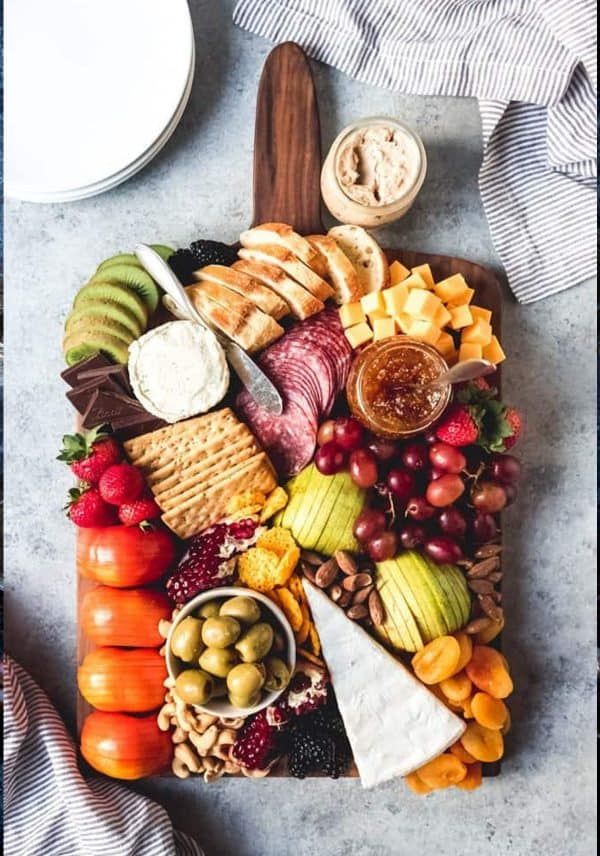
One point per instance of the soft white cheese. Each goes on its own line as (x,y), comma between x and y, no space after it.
(394,723)
(178,370)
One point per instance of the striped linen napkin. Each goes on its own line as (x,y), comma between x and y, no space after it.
(50,808)
(532,66)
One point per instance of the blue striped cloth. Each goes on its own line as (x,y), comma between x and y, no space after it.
(49,808)
(532,66)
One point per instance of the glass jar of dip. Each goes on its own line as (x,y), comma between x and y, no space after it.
(373,172)
(386,388)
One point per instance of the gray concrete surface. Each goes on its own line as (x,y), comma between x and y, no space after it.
(200,185)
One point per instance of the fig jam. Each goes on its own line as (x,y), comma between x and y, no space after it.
(387,390)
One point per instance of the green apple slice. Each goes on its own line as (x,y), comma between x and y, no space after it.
(459,584)
(409,636)
(443,580)
(422,567)
(319,499)
(337,533)
(420,607)
(443,598)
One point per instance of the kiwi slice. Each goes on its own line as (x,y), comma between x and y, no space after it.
(163,251)
(120,259)
(134,277)
(79,345)
(120,294)
(101,309)
(93,324)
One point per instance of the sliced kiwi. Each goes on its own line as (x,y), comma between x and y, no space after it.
(163,251)
(120,294)
(93,324)
(120,259)
(101,309)
(81,344)
(135,278)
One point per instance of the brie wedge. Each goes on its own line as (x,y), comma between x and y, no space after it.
(394,723)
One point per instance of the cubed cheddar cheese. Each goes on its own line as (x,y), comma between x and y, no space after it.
(480,312)
(442,317)
(415,280)
(477,333)
(424,271)
(460,317)
(395,298)
(445,344)
(404,322)
(372,302)
(398,272)
(351,314)
(466,297)
(469,352)
(422,304)
(452,289)
(359,334)
(375,316)
(424,331)
(383,328)
(493,352)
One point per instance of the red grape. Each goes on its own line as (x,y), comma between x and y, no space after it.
(326,432)
(443,549)
(385,450)
(445,490)
(488,497)
(452,522)
(435,473)
(383,546)
(402,484)
(369,522)
(511,493)
(363,468)
(349,433)
(447,458)
(419,509)
(506,469)
(412,534)
(330,458)
(430,436)
(484,528)
(414,456)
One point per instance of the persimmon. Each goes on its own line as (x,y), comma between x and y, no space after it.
(124,556)
(442,772)
(457,688)
(490,632)
(124,617)
(461,753)
(416,785)
(483,743)
(487,670)
(473,778)
(466,649)
(122,679)
(437,660)
(489,711)
(125,747)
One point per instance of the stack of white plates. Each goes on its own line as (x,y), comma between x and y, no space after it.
(93,91)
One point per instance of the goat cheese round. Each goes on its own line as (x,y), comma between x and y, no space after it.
(178,370)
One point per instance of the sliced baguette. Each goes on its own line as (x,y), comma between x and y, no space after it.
(284,236)
(302,304)
(286,260)
(241,283)
(340,270)
(365,254)
(261,327)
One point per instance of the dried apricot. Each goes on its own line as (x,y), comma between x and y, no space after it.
(506,727)
(483,743)
(488,671)
(461,753)
(490,632)
(489,711)
(466,708)
(416,785)
(443,771)
(437,660)
(466,649)
(473,778)
(457,688)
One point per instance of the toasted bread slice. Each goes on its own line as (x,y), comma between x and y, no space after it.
(284,236)
(365,254)
(241,283)
(258,328)
(286,260)
(302,304)
(340,270)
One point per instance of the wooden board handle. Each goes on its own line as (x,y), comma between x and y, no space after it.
(287,143)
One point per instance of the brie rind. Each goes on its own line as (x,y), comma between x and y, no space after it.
(178,370)
(394,723)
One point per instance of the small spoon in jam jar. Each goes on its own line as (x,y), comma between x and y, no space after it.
(461,372)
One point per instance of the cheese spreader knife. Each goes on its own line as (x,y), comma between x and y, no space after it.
(250,374)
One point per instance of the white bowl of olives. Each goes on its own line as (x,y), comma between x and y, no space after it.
(231,652)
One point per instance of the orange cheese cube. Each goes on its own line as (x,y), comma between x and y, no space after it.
(445,344)
(469,352)
(351,314)
(403,322)
(422,304)
(493,352)
(424,331)
(359,334)
(460,316)
(424,271)
(372,302)
(398,272)
(466,297)
(415,280)
(480,312)
(395,298)
(442,317)
(383,328)
(477,333)
(452,289)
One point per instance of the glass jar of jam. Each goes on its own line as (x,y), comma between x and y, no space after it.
(386,388)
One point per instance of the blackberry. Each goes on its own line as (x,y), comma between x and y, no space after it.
(317,743)
(212,253)
(183,264)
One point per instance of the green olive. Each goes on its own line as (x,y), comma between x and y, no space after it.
(278,674)
(210,609)
(219,689)
(186,641)
(245,680)
(194,686)
(278,642)
(244,701)
(244,609)
(220,632)
(218,661)
(255,643)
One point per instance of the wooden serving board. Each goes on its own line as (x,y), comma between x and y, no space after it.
(287,168)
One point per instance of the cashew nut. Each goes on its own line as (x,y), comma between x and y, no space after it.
(204,742)
(185,718)
(169,682)
(164,627)
(185,753)
(164,717)
(163,651)
(234,722)
(179,769)
(231,768)
(178,735)
(204,722)
(225,741)
(213,775)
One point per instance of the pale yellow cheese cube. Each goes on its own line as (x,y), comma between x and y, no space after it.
(424,271)
(422,304)
(493,352)
(374,316)
(395,298)
(445,344)
(480,312)
(415,280)
(359,334)
(451,289)
(460,317)
(398,272)
(383,328)
(404,322)
(351,314)
(372,302)
(442,317)
(466,298)
(469,352)
(477,333)
(424,331)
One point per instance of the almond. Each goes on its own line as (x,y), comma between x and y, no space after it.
(345,600)
(495,577)
(308,571)
(477,625)
(327,573)
(483,568)
(346,562)
(487,550)
(311,557)
(357,612)
(361,595)
(376,608)
(490,608)
(481,586)
(357,581)
(335,592)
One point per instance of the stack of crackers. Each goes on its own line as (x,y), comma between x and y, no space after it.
(194,468)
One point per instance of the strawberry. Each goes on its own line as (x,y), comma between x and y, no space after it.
(458,426)
(89,454)
(139,511)
(515,423)
(121,484)
(86,508)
